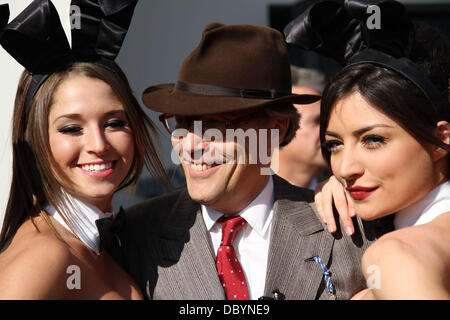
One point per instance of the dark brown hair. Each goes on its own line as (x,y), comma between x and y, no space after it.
(34,182)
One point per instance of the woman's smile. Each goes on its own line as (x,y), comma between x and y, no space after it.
(98,169)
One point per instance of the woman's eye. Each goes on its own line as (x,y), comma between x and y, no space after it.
(373,141)
(119,123)
(332,145)
(70,129)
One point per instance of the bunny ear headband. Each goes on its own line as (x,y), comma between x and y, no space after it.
(4,15)
(342,32)
(36,38)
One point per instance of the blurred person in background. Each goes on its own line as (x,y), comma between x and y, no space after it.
(301,162)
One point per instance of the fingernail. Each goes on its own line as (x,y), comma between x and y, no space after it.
(349,230)
(330,228)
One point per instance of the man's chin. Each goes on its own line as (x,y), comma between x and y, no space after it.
(206,200)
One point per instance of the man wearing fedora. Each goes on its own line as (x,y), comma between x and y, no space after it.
(236,232)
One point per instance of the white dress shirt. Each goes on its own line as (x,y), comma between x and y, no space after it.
(252,242)
(435,203)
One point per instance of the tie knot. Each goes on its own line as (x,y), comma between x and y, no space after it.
(230,227)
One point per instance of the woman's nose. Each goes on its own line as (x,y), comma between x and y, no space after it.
(350,167)
(96,141)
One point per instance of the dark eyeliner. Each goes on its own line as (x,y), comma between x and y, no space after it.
(330,144)
(70,129)
(118,123)
(374,140)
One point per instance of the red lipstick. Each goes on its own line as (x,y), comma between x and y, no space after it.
(360,193)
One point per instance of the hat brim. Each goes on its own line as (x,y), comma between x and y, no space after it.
(164,98)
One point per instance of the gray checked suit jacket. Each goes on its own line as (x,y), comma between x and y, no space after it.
(166,249)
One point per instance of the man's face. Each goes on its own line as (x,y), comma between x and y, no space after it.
(222,168)
(305,147)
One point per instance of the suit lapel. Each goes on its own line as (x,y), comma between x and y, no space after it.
(187,259)
(296,236)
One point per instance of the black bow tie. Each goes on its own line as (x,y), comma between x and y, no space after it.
(110,230)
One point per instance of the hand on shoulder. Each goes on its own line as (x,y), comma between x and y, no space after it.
(35,267)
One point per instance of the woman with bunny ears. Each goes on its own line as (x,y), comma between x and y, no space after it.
(79,135)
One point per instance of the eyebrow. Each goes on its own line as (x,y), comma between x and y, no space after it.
(359,131)
(78,116)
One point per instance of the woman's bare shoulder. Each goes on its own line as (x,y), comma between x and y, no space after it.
(34,266)
(430,241)
(412,262)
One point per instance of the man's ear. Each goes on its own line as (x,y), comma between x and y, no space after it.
(282,125)
(442,132)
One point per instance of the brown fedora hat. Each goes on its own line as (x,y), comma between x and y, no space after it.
(234,67)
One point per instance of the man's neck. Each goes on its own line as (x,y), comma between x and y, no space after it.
(239,202)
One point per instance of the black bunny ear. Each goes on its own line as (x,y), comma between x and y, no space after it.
(104,25)
(4,15)
(112,7)
(395,33)
(341,31)
(325,28)
(36,38)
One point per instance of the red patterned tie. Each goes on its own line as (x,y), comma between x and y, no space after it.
(229,269)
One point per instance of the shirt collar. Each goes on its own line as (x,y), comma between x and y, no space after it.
(82,216)
(436,202)
(257,213)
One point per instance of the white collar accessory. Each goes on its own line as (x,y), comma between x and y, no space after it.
(435,203)
(82,216)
